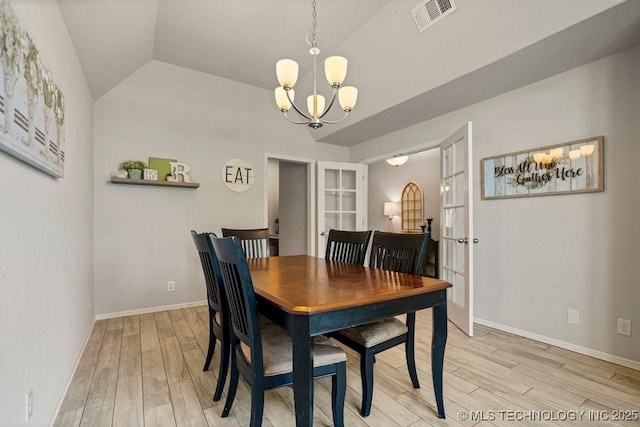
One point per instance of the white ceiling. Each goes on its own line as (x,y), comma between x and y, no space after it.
(484,48)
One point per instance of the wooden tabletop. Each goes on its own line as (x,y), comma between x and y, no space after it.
(304,284)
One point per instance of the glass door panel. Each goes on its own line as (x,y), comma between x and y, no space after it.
(342,199)
(457,227)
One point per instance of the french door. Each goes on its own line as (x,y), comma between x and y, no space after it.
(456,219)
(342,199)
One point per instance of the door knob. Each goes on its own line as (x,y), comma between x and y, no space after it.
(463,240)
(322,233)
(475,240)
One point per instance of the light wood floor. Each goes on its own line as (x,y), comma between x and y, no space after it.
(147,370)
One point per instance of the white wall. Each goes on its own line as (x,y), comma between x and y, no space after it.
(539,256)
(46,243)
(386,183)
(293,208)
(142,233)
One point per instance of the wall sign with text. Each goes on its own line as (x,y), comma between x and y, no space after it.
(571,167)
(238,175)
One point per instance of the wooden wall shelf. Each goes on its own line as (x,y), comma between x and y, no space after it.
(131,181)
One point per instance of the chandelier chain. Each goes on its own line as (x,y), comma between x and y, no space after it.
(314,24)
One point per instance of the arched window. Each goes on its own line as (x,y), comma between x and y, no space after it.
(412,204)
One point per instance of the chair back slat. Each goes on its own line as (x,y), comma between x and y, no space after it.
(212,276)
(254,241)
(349,247)
(243,309)
(399,252)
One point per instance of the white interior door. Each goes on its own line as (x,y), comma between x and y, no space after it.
(342,199)
(457,226)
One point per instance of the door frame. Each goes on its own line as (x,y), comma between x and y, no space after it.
(311,194)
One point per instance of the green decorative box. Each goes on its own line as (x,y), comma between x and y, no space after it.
(162,166)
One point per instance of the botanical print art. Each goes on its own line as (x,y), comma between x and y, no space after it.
(32,105)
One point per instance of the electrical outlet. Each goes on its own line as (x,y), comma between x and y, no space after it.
(89,303)
(29,402)
(624,327)
(573,317)
(171,286)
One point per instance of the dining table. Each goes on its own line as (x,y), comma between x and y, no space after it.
(310,296)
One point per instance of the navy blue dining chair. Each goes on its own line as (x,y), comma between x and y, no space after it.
(255,241)
(218,315)
(349,247)
(263,355)
(402,253)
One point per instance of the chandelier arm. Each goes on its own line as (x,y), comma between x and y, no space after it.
(333,98)
(295,107)
(333,122)
(293,121)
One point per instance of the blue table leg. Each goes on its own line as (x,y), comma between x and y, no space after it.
(438,342)
(302,371)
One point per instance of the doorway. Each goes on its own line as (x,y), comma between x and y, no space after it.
(290,206)
(386,183)
(454,171)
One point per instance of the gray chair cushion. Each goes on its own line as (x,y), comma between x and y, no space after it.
(371,334)
(277,351)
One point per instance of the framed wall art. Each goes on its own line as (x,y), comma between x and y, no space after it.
(32,104)
(567,168)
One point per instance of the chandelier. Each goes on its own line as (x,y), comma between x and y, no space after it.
(335,68)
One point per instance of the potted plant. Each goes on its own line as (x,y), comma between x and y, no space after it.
(134,168)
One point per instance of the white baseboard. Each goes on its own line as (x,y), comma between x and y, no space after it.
(562,344)
(149,310)
(73,372)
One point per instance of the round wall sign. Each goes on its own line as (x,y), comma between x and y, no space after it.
(237,175)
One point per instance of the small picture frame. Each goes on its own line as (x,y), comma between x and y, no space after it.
(151,174)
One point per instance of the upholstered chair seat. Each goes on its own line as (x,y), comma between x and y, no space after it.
(277,351)
(374,333)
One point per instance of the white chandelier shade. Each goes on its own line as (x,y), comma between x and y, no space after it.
(315,105)
(287,72)
(347,96)
(335,68)
(282,100)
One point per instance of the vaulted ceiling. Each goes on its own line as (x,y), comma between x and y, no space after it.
(482,49)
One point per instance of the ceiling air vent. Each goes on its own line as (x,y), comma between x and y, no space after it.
(429,12)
